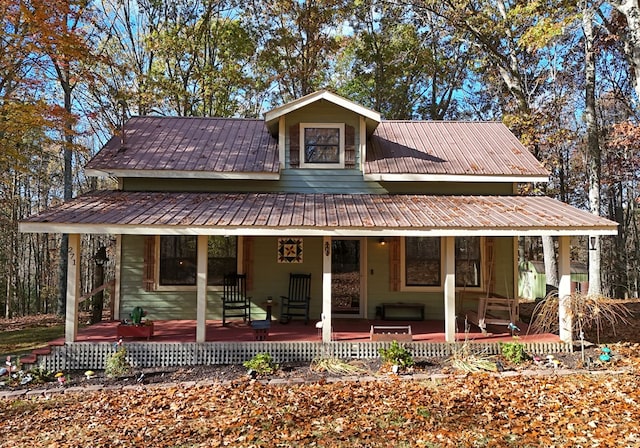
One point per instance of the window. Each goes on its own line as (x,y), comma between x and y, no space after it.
(322,145)
(178,259)
(468,261)
(422,261)
(222,258)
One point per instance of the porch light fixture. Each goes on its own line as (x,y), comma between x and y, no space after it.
(327,248)
(100,258)
(382,241)
(593,243)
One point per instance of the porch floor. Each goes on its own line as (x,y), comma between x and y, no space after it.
(356,330)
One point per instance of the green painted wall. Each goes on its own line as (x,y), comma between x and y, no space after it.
(271,278)
(454,188)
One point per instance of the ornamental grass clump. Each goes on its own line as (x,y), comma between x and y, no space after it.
(337,366)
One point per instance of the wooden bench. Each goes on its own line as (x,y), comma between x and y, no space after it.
(399,333)
(409,308)
(135,331)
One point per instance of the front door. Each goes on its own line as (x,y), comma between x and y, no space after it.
(346,277)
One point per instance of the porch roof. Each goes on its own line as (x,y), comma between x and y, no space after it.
(286,214)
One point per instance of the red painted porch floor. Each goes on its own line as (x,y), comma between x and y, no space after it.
(343,330)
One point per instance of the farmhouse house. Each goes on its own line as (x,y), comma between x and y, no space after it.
(387,219)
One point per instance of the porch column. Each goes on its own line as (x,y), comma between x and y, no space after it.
(201,287)
(73,289)
(564,289)
(115,296)
(449,289)
(326,289)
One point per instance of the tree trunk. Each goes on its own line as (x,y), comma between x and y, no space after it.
(593,146)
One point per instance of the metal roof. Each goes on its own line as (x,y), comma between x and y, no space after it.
(229,148)
(121,212)
(193,147)
(447,148)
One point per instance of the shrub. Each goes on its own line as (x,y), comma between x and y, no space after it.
(513,352)
(396,355)
(261,364)
(116,363)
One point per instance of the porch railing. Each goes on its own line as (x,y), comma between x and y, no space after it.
(83,355)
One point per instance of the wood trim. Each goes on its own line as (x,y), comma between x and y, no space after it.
(149,264)
(394,264)
(489,265)
(247,260)
(349,146)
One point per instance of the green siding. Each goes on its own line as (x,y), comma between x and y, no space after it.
(316,181)
(449,188)
(271,278)
(379,291)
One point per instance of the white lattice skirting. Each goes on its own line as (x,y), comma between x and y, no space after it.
(81,355)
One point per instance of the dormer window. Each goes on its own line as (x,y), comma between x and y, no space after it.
(322,145)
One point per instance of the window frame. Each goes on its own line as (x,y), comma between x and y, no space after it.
(403,269)
(482,264)
(341,144)
(161,287)
(439,288)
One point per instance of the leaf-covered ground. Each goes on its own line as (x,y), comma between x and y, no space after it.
(473,410)
(514,409)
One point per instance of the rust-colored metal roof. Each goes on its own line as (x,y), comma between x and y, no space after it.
(449,148)
(195,145)
(113,211)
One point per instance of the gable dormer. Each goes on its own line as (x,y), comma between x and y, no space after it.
(322,131)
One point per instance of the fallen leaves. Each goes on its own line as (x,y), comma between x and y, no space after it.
(481,409)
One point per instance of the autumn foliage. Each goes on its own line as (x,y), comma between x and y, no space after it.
(474,410)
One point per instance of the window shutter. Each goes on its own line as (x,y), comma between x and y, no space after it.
(490,265)
(349,146)
(294,146)
(149,264)
(247,260)
(394,263)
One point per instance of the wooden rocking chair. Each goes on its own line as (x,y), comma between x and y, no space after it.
(296,304)
(235,302)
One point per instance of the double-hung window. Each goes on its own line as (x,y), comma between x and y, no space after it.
(178,259)
(322,145)
(468,262)
(423,263)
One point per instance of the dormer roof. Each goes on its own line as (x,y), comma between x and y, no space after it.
(372,118)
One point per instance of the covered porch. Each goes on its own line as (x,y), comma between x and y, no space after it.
(344,330)
(322,217)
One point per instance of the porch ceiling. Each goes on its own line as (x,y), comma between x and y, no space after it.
(122,212)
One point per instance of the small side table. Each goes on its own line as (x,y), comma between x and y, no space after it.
(261,327)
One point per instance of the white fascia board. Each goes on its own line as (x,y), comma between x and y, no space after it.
(121,229)
(162,174)
(408,177)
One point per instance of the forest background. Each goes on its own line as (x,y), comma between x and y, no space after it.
(564,76)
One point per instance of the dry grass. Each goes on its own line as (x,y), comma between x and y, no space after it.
(589,313)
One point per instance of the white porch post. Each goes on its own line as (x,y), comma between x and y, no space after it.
(449,289)
(326,289)
(73,289)
(564,289)
(201,286)
(116,289)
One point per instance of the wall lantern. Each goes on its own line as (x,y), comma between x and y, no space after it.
(100,258)
(327,248)
(382,241)
(593,242)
